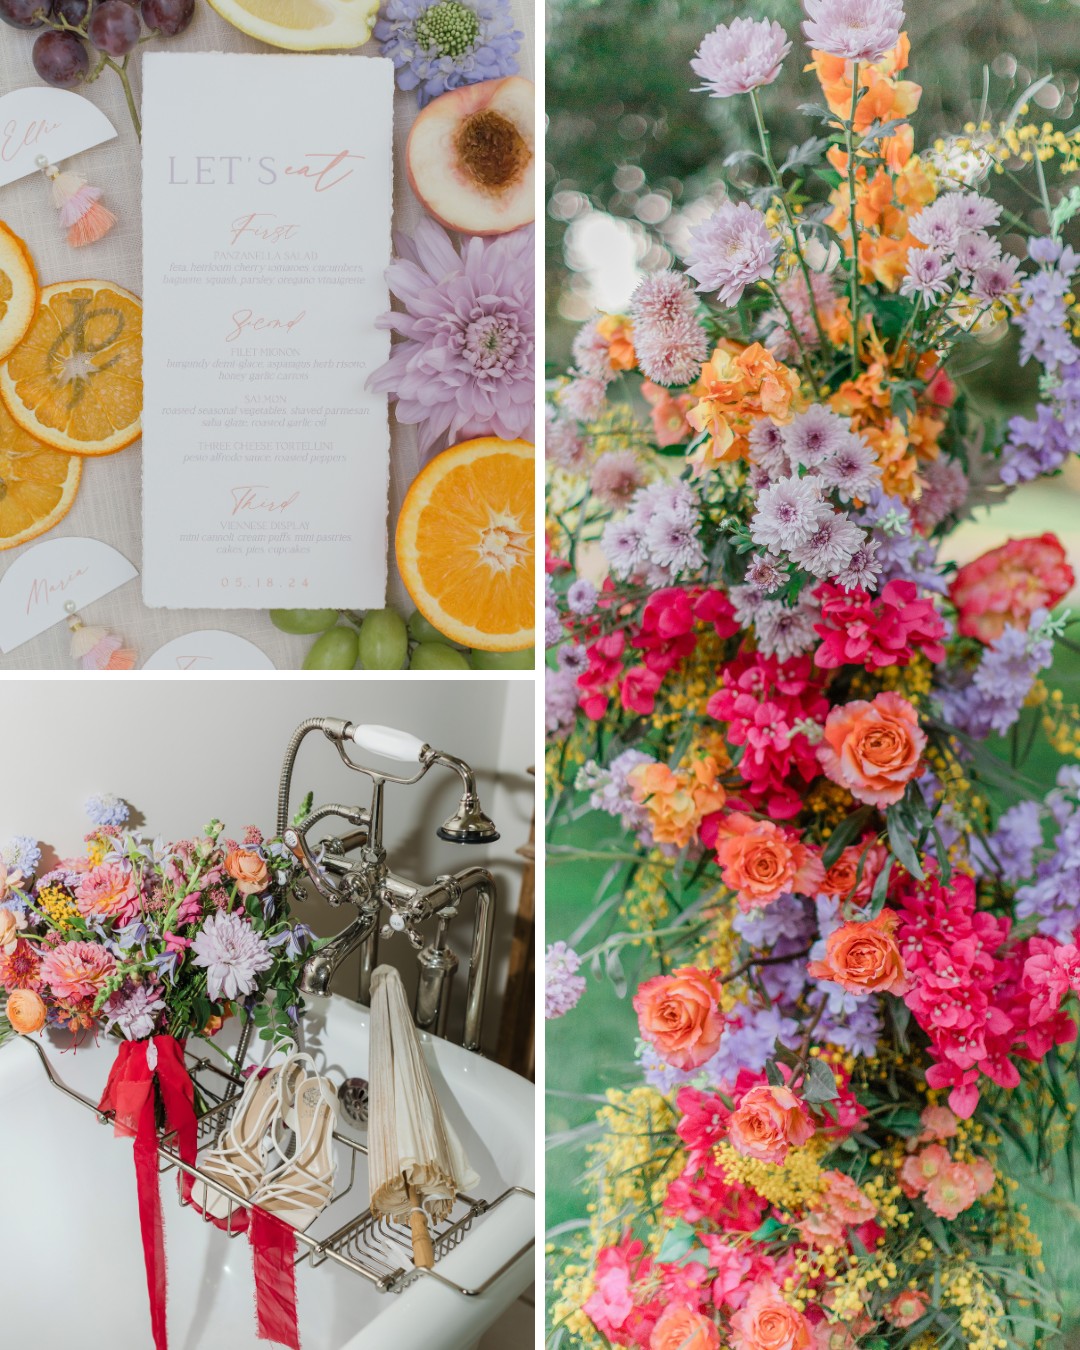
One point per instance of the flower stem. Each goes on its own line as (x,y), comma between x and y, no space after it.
(849,135)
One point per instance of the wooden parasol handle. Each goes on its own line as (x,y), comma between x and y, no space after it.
(422,1250)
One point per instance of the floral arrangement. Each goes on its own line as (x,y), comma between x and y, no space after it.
(854,909)
(138,938)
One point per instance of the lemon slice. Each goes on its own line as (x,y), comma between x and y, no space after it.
(302,25)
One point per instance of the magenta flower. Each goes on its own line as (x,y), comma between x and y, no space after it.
(730,250)
(669,341)
(857,30)
(466,364)
(737,57)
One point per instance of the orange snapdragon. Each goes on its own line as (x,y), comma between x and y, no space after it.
(737,386)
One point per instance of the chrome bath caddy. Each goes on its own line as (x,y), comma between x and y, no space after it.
(378,1250)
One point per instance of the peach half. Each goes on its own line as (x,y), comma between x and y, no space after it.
(470,156)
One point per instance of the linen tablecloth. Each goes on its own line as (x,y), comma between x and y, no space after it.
(108,506)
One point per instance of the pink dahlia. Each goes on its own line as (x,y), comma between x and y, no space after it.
(857,30)
(233,954)
(669,341)
(465,363)
(20,968)
(109,891)
(737,57)
(730,250)
(76,970)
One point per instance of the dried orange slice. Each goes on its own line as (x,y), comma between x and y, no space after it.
(466,544)
(75,380)
(37,484)
(18,290)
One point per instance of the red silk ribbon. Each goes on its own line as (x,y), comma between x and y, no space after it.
(129,1095)
(273,1247)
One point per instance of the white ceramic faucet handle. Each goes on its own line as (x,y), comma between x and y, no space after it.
(388,742)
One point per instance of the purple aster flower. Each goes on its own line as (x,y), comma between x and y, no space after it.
(561,694)
(787,513)
(134,1009)
(830,548)
(581,596)
(233,954)
(466,363)
(563,986)
(814,435)
(616,476)
(730,250)
(437,45)
(857,30)
(669,341)
(928,274)
(737,57)
(105,809)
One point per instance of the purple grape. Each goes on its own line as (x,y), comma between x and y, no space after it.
(60,59)
(114,27)
(23,13)
(168,17)
(71,11)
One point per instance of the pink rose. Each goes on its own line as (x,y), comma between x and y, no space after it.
(1003,588)
(767,1122)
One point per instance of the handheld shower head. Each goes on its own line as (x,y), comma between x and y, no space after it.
(468,824)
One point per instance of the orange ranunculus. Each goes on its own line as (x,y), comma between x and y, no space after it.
(679,1015)
(863,957)
(845,1199)
(1003,588)
(892,449)
(25,1011)
(762,861)
(768,1121)
(905,1309)
(873,749)
(617,332)
(767,1322)
(679,1328)
(248,870)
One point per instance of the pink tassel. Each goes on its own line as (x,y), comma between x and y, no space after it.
(96,648)
(80,208)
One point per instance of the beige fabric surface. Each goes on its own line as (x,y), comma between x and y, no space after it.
(108,505)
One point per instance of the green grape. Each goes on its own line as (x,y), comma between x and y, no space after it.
(335,650)
(437,656)
(384,640)
(523,660)
(422,631)
(303,621)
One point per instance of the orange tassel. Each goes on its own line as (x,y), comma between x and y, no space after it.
(81,212)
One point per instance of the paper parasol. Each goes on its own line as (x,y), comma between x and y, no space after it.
(416,1162)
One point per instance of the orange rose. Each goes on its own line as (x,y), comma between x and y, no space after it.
(25,1011)
(248,870)
(679,1014)
(873,749)
(863,958)
(762,861)
(769,1120)
(681,1329)
(768,1323)
(843,878)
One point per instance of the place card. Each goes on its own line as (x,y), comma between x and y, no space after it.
(55,123)
(41,582)
(208,649)
(266,235)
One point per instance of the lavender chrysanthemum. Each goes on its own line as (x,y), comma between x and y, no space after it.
(787,513)
(737,57)
(730,250)
(813,436)
(996,280)
(581,597)
(233,954)
(928,275)
(104,808)
(785,631)
(616,476)
(857,30)
(764,575)
(863,569)
(437,45)
(563,986)
(766,447)
(466,364)
(830,548)
(852,470)
(669,342)
(134,1009)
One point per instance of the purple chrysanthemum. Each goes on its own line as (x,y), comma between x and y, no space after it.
(928,274)
(616,476)
(669,342)
(466,364)
(814,435)
(563,986)
(134,1009)
(852,470)
(737,57)
(787,513)
(233,954)
(437,45)
(581,597)
(831,547)
(730,250)
(996,280)
(857,30)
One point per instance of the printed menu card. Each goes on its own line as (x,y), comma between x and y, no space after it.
(266,227)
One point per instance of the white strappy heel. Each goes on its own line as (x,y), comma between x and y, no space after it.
(301,1186)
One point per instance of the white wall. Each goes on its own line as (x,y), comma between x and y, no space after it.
(182,752)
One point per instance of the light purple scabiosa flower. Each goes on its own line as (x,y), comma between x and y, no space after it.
(466,363)
(830,547)
(669,341)
(857,30)
(134,1009)
(929,274)
(105,809)
(437,45)
(852,470)
(563,986)
(616,476)
(785,631)
(21,854)
(787,513)
(742,55)
(814,435)
(730,250)
(581,596)
(232,953)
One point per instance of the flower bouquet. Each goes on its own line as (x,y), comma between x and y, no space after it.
(852,901)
